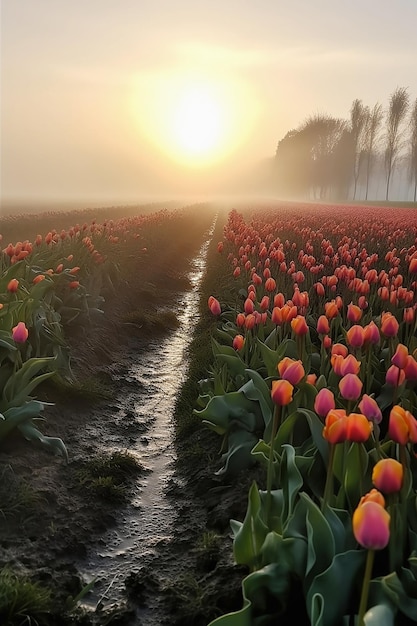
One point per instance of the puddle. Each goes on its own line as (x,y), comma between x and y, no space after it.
(150,382)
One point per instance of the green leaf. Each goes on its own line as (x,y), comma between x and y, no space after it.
(329,593)
(291,480)
(356,482)
(224,409)
(239,453)
(268,587)
(250,535)
(21,379)
(30,432)
(257,389)
(15,416)
(321,544)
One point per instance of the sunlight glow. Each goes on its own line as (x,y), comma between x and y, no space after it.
(196,120)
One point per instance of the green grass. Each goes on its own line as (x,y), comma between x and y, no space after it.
(18,500)
(22,602)
(107,475)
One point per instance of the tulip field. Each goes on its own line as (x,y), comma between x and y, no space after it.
(314,378)
(310,394)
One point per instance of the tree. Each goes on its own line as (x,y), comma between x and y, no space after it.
(413,148)
(373,123)
(397,110)
(358,118)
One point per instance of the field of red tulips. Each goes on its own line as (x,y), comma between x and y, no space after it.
(302,371)
(314,378)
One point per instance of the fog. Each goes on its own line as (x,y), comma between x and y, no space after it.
(91,93)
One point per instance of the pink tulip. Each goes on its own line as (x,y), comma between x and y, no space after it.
(20,333)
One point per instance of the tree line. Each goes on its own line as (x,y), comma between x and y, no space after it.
(327,157)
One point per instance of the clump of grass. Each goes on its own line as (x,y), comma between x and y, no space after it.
(190,599)
(155,321)
(208,548)
(107,475)
(22,601)
(18,500)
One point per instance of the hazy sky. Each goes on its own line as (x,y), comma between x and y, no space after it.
(99,97)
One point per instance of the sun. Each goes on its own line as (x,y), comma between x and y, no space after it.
(198,124)
(195,119)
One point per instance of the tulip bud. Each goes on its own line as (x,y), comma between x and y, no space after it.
(369,407)
(399,358)
(214,306)
(371,524)
(350,387)
(355,336)
(281,392)
(402,426)
(387,475)
(299,325)
(291,370)
(13,285)
(323,326)
(20,333)
(238,342)
(324,402)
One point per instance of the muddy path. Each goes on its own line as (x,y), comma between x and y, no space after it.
(147,383)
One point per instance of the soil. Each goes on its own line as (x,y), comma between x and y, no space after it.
(53,516)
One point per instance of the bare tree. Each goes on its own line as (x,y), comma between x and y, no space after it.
(372,127)
(358,119)
(413,148)
(397,110)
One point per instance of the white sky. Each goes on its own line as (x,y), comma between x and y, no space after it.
(84,84)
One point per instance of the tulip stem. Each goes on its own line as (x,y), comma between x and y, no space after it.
(275,425)
(328,489)
(365,587)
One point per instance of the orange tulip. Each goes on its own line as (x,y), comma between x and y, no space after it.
(299,325)
(354,313)
(389,325)
(281,392)
(402,426)
(291,370)
(13,285)
(355,336)
(238,342)
(323,326)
